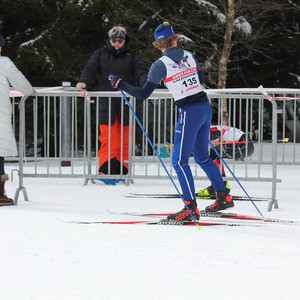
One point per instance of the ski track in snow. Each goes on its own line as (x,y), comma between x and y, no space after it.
(42,257)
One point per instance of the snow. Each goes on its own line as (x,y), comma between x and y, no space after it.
(211,8)
(243,25)
(43,257)
(240,22)
(296,75)
(33,41)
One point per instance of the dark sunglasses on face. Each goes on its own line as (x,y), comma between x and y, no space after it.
(120,41)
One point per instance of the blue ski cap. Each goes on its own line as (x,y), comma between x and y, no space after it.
(163,31)
(2,41)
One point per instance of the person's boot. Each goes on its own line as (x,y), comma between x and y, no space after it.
(206,193)
(223,201)
(209,192)
(4,200)
(185,214)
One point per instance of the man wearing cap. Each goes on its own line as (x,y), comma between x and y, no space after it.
(9,75)
(115,57)
(183,76)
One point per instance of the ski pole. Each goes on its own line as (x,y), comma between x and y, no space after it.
(219,155)
(156,153)
(230,143)
(285,98)
(284,140)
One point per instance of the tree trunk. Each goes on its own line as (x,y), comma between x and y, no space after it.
(222,78)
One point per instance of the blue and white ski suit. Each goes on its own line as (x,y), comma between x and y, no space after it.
(183,76)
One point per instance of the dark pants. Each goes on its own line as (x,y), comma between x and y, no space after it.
(1,165)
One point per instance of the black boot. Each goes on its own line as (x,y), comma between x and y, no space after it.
(223,201)
(184,214)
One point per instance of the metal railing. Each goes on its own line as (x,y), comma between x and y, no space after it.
(58,133)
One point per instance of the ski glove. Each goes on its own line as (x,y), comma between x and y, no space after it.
(115,81)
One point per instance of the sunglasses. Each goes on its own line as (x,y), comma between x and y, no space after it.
(120,41)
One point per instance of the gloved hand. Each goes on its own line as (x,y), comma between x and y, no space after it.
(115,81)
(80,85)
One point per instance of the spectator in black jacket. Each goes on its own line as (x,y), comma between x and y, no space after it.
(115,57)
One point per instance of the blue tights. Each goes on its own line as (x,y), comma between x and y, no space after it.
(192,136)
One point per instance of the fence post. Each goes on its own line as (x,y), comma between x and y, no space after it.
(66,127)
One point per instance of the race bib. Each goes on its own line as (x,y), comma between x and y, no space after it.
(182,78)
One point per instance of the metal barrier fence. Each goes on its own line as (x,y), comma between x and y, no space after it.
(58,134)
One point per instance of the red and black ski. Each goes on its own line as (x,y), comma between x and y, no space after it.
(167,223)
(218,215)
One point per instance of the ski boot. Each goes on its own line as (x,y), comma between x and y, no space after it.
(186,214)
(223,201)
(209,192)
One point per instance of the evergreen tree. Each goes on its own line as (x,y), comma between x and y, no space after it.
(50,41)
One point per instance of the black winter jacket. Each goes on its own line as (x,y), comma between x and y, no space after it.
(105,61)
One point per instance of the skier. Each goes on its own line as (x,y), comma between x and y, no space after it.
(183,76)
(231,143)
(9,74)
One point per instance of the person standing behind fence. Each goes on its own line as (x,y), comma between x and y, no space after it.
(115,57)
(183,76)
(231,143)
(9,75)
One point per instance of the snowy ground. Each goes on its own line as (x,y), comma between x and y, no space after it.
(43,258)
